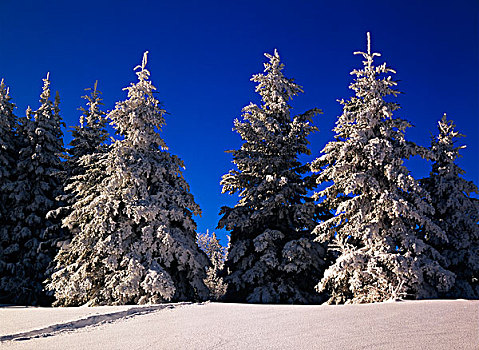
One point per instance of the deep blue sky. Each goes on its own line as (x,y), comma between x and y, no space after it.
(203,53)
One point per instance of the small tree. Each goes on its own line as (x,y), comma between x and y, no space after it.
(456,212)
(381,225)
(217,254)
(89,137)
(272,257)
(134,239)
(37,185)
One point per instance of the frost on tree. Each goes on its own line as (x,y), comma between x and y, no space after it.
(217,254)
(272,257)
(37,185)
(134,238)
(8,151)
(86,147)
(381,226)
(89,137)
(456,212)
(8,142)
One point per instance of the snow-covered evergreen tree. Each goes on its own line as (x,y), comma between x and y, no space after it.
(381,224)
(37,185)
(456,212)
(89,137)
(8,156)
(8,145)
(212,247)
(217,254)
(134,236)
(272,257)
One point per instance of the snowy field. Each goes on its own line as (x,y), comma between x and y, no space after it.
(438,324)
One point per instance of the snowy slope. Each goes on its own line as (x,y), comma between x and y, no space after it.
(437,324)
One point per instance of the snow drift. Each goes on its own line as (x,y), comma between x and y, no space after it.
(431,324)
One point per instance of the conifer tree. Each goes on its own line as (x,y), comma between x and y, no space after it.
(86,147)
(37,185)
(456,212)
(272,257)
(381,225)
(134,235)
(8,156)
(217,254)
(89,137)
(8,145)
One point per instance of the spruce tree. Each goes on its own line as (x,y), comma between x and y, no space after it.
(88,140)
(89,137)
(37,185)
(456,212)
(8,157)
(381,225)
(134,235)
(272,257)
(217,254)
(8,145)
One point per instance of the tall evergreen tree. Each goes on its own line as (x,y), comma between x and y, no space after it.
(272,257)
(88,139)
(381,223)
(8,145)
(8,156)
(134,236)
(37,185)
(456,212)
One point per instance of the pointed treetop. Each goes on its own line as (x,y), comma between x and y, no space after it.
(447,132)
(369,42)
(94,94)
(5,88)
(144,61)
(143,74)
(368,55)
(45,95)
(275,89)
(57,99)
(275,55)
(274,61)
(443,119)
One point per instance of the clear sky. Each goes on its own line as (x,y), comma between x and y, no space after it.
(203,53)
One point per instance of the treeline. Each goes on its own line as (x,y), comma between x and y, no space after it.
(112,223)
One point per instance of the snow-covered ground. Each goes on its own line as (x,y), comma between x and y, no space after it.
(438,324)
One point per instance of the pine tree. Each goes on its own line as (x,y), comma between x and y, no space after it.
(86,147)
(272,257)
(89,137)
(217,254)
(381,225)
(134,236)
(456,212)
(8,144)
(8,156)
(37,185)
